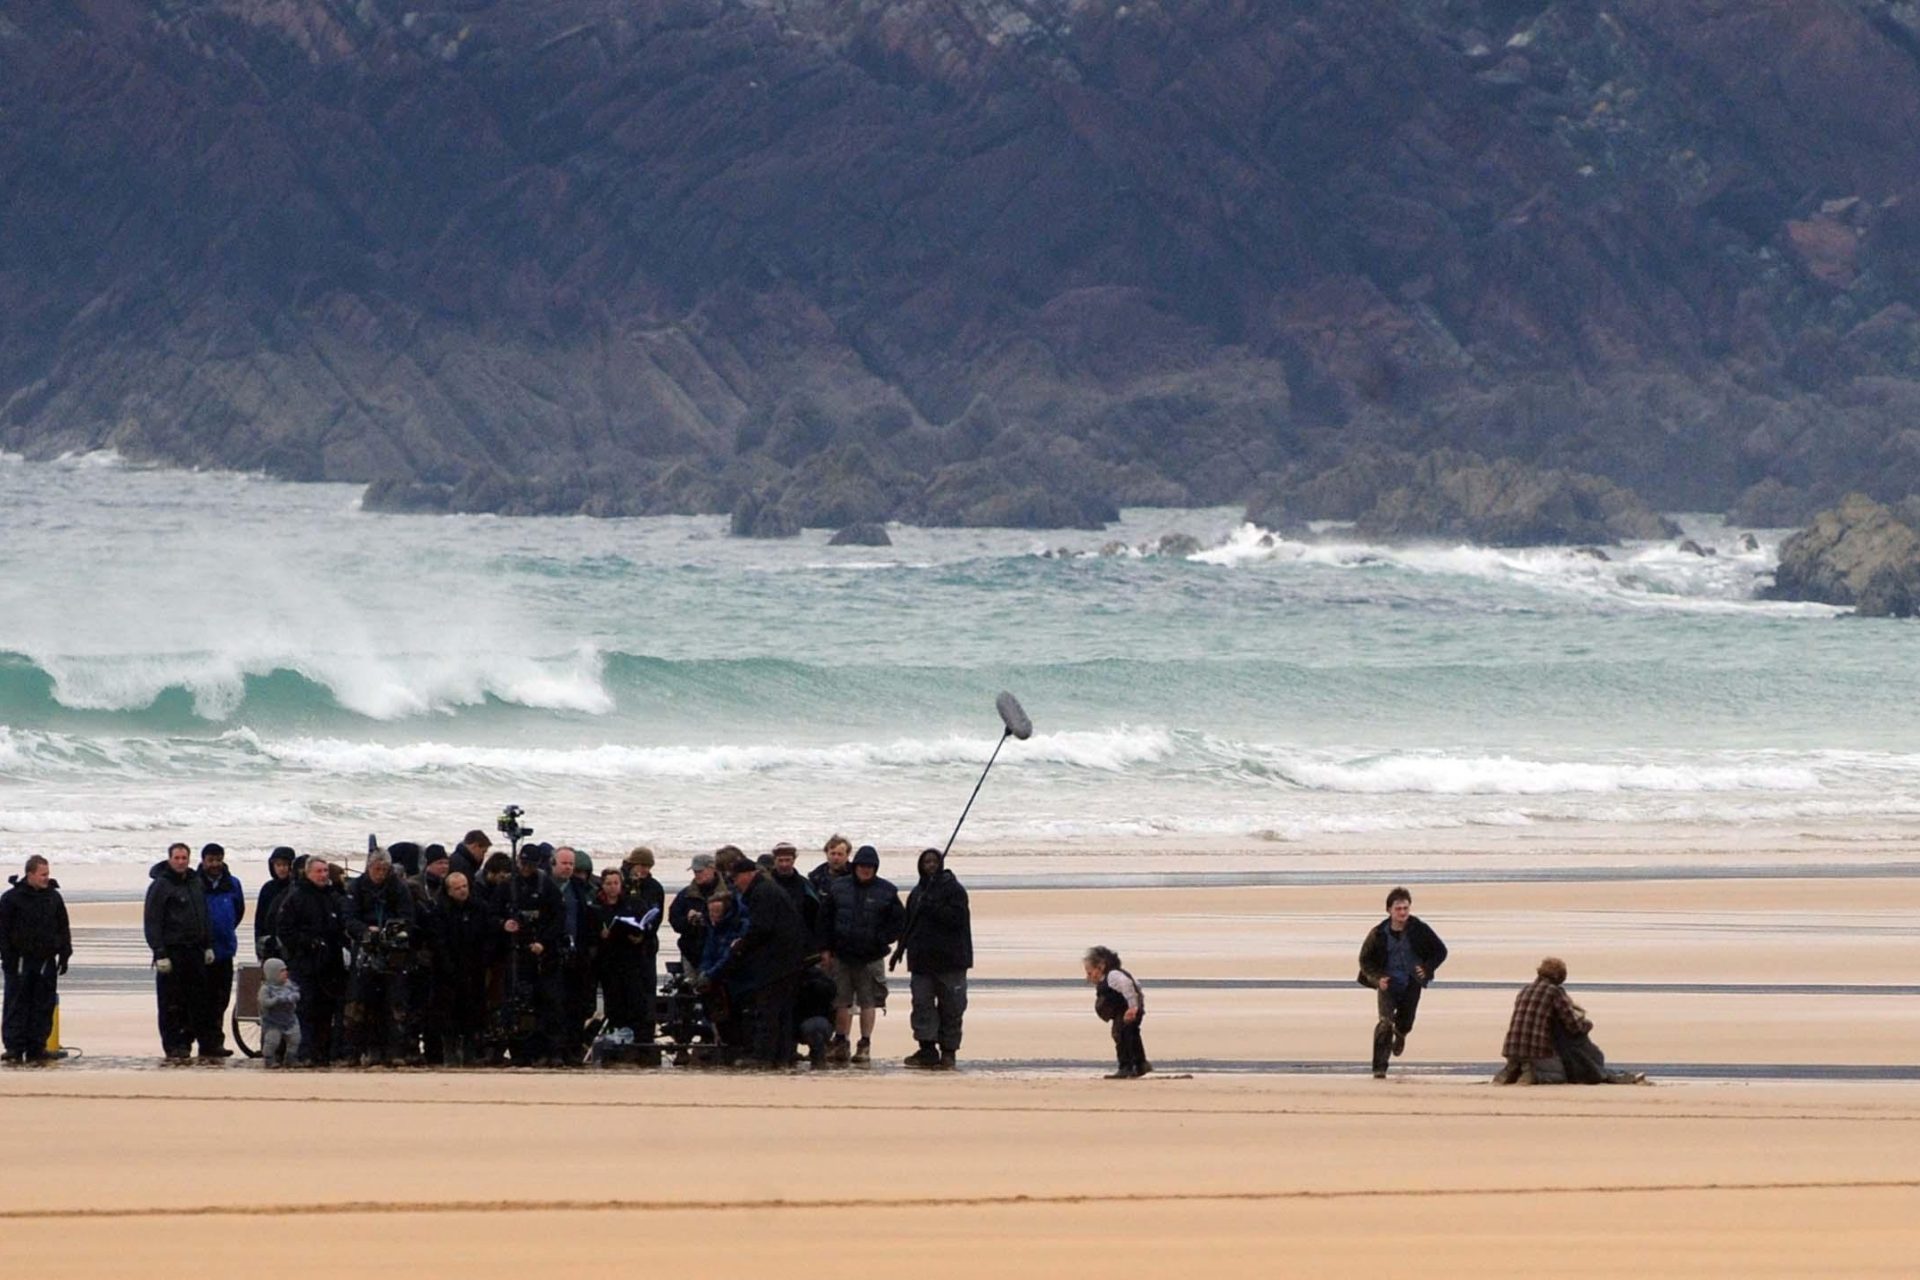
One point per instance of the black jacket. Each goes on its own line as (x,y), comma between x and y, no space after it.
(861,921)
(311,932)
(938,933)
(624,948)
(33,924)
(263,923)
(1428,951)
(822,878)
(688,916)
(775,942)
(370,905)
(462,861)
(648,895)
(800,892)
(535,902)
(176,914)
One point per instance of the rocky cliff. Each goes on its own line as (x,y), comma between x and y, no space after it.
(962,261)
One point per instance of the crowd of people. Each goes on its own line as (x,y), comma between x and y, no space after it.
(529,957)
(475,956)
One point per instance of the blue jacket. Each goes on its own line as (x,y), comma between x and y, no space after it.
(226,908)
(716,953)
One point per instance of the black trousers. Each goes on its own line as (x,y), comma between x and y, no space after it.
(215,993)
(319,1011)
(1396,1015)
(626,984)
(770,1035)
(377,1016)
(182,999)
(1128,1048)
(32,993)
(577,987)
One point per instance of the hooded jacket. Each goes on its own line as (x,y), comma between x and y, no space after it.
(263,907)
(859,922)
(371,905)
(226,908)
(33,924)
(176,913)
(937,935)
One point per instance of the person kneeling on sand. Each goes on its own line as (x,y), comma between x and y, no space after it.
(1547,1038)
(1117,998)
(279,1015)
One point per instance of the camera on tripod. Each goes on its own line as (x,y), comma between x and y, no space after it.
(510,825)
(386,948)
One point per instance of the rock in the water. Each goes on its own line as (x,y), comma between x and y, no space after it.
(1510,504)
(1180,545)
(1692,548)
(1592,553)
(1857,553)
(756,517)
(868,534)
(1749,543)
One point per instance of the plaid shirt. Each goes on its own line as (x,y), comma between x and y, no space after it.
(1538,1007)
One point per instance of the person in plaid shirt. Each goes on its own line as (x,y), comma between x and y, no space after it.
(1547,1040)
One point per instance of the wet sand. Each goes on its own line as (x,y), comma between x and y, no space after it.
(1279,1156)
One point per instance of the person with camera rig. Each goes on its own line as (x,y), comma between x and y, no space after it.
(311,936)
(378,917)
(529,913)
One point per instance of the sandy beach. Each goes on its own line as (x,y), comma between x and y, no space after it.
(1781,1135)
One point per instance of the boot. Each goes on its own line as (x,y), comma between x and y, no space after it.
(928,1055)
(1399,1042)
(862,1052)
(837,1051)
(948,1059)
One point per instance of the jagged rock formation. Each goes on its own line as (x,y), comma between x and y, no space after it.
(1459,496)
(962,261)
(1859,553)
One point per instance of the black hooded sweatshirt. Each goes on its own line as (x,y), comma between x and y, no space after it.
(33,924)
(176,914)
(938,934)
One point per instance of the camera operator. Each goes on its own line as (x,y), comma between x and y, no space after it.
(466,940)
(311,937)
(580,939)
(688,915)
(528,909)
(379,918)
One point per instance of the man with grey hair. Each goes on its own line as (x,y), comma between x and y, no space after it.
(379,919)
(580,937)
(688,914)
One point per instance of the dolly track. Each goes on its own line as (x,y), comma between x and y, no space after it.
(903,1108)
(356,1208)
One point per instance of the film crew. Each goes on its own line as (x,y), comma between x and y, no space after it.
(937,941)
(839,853)
(470,855)
(428,890)
(36,943)
(649,895)
(769,957)
(860,921)
(528,909)
(466,940)
(312,939)
(175,918)
(798,888)
(378,917)
(718,971)
(629,932)
(1397,960)
(688,914)
(226,909)
(279,880)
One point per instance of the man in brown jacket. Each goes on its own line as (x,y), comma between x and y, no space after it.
(1547,1040)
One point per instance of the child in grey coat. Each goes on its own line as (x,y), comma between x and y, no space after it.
(279,1015)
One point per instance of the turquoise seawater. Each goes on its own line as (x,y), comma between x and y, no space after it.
(226,657)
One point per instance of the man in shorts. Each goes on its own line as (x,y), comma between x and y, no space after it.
(861,920)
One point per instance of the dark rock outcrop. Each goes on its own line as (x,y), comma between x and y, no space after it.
(963,261)
(1448,495)
(861,535)
(1858,553)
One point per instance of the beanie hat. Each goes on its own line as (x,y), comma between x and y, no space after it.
(582,863)
(274,969)
(641,857)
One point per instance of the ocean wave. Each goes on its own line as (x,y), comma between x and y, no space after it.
(1511,776)
(1108,752)
(1656,575)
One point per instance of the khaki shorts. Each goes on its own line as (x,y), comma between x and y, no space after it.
(861,985)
